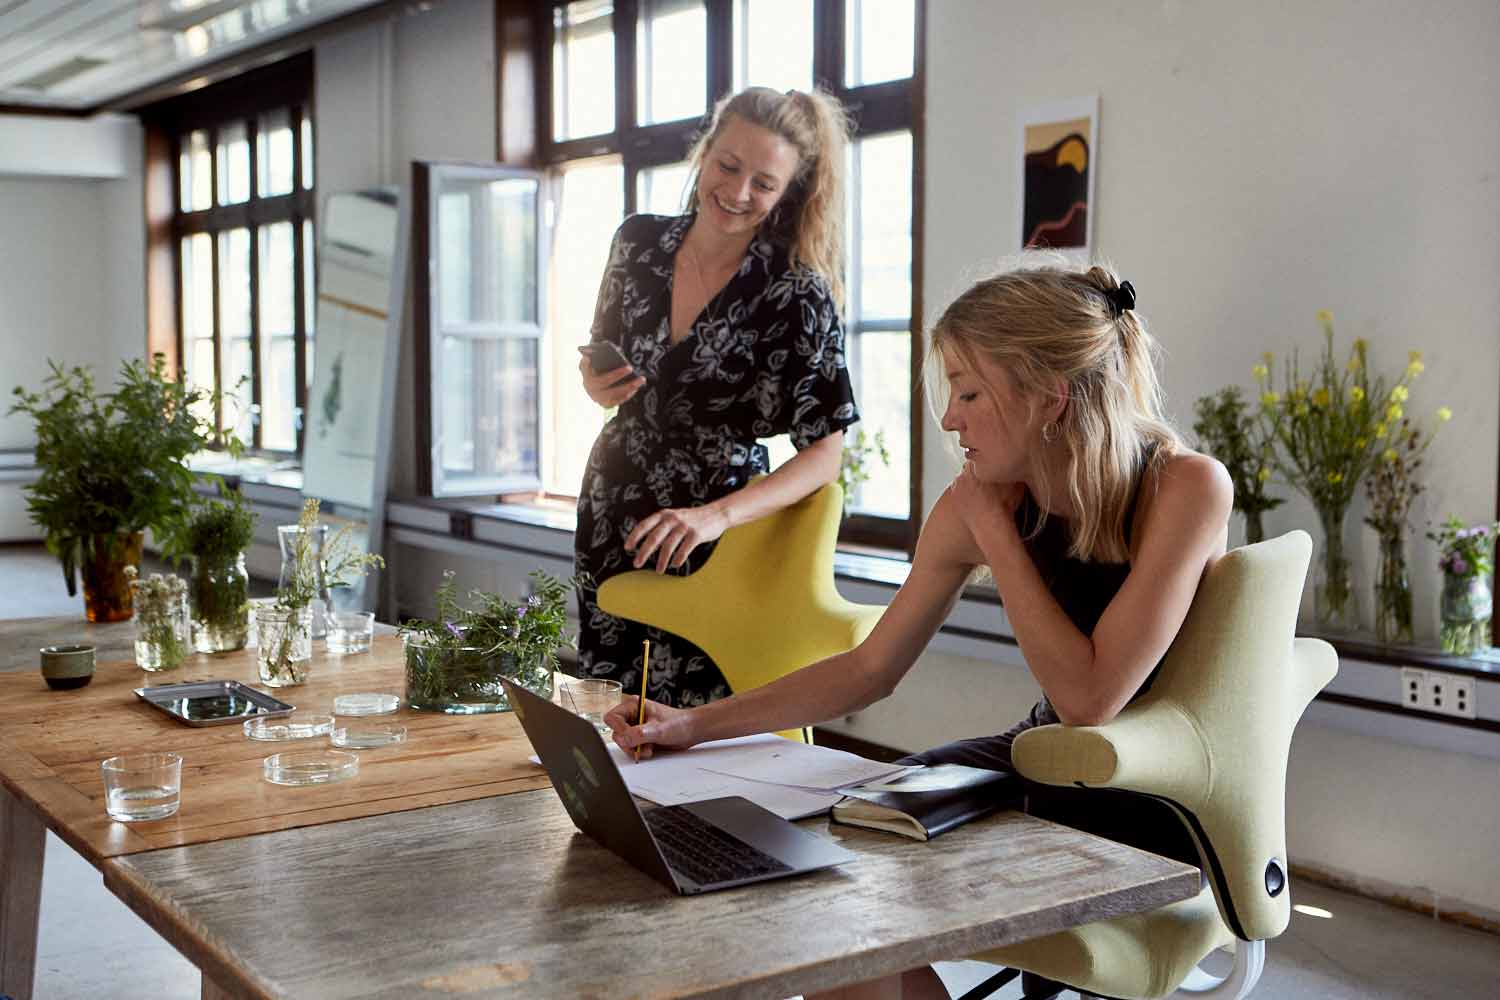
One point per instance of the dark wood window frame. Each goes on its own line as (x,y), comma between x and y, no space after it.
(524,38)
(288,85)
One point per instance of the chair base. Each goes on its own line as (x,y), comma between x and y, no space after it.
(1249,963)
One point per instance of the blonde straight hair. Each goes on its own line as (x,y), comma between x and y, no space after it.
(1045,326)
(809,218)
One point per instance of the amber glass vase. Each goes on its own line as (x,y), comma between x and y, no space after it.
(106,588)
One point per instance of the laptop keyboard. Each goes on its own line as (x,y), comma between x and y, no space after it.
(703,852)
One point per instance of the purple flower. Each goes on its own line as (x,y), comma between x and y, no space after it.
(520,613)
(453,630)
(1460,567)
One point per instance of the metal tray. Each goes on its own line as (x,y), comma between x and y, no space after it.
(212,703)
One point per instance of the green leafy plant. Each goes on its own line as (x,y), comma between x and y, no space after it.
(1228,429)
(1464,551)
(114,462)
(860,451)
(215,535)
(455,655)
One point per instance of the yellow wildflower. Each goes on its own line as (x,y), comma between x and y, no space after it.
(1360,345)
(1380,430)
(1356,393)
(1393,413)
(1444,414)
(1325,316)
(1301,410)
(1354,363)
(1270,398)
(1335,478)
(1320,398)
(1260,372)
(1399,394)
(1359,444)
(1389,455)
(1414,357)
(1263,474)
(1268,358)
(1414,369)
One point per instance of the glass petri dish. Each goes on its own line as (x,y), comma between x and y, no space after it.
(297,726)
(367,735)
(367,703)
(310,767)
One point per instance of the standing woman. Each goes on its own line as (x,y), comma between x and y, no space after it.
(728,317)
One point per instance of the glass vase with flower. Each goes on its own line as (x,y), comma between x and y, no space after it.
(161,620)
(1391,488)
(284,628)
(1328,430)
(1466,604)
(455,661)
(1228,430)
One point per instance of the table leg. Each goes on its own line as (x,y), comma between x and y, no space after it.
(23,848)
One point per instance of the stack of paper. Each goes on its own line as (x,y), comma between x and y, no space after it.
(790,779)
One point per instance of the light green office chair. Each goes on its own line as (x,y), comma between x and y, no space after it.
(764,604)
(1211,740)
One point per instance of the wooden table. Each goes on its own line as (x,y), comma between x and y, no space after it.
(51,743)
(356,889)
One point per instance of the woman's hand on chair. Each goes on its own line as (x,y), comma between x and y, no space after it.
(602,388)
(664,726)
(673,533)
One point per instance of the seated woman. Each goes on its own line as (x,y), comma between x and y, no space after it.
(1093,518)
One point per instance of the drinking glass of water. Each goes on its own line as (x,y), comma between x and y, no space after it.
(350,631)
(589,697)
(142,786)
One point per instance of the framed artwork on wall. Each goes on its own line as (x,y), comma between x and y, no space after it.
(1058,147)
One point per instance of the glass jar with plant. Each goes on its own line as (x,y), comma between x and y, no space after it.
(455,661)
(161,620)
(1228,430)
(113,466)
(1391,488)
(215,538)
(284,627)
(1328,431)
(1465,557)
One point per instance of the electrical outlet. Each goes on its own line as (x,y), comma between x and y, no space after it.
(1438,692)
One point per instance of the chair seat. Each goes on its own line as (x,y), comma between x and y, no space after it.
(1143,956)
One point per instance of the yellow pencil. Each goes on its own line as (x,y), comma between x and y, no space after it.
(645,664)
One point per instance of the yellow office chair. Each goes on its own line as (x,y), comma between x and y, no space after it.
(1211,740)
(764,603)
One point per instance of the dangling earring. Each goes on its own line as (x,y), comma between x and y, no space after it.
(1050,431)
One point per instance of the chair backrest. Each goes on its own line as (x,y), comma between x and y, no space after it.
(1212,735)
(764,604)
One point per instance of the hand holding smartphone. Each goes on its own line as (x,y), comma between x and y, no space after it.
(605,357)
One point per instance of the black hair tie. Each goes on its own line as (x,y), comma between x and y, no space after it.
(1122,298)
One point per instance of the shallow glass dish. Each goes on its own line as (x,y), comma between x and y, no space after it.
(367,703)
(367,735)
(310,767)
(297,726)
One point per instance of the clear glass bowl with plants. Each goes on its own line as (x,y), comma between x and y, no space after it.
(216,538)
(455,661)
(161,620)
(284,627)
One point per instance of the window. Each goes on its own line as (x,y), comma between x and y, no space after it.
(241,234)
(622,89)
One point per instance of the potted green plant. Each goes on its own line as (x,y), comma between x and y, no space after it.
(860,452)
(1228,430)
(455,661)
(284,627)
(215,538)
(112,467)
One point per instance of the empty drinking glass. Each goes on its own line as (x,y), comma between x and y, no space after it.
(589,697)
(350,631)
(142,786)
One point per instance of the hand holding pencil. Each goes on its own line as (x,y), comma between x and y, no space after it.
(641,726)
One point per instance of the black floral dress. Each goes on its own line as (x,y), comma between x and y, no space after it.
(765,357)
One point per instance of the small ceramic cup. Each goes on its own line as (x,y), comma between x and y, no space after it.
(70,666)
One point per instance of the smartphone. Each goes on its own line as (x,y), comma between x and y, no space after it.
(604,357)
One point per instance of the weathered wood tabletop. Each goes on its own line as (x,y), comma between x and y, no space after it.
(51,743)
(502,898)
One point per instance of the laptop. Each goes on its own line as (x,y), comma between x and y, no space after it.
(691,848)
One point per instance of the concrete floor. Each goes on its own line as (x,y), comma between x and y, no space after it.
(93,946)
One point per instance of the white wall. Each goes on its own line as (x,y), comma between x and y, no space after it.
(72,287)
(1256,163)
